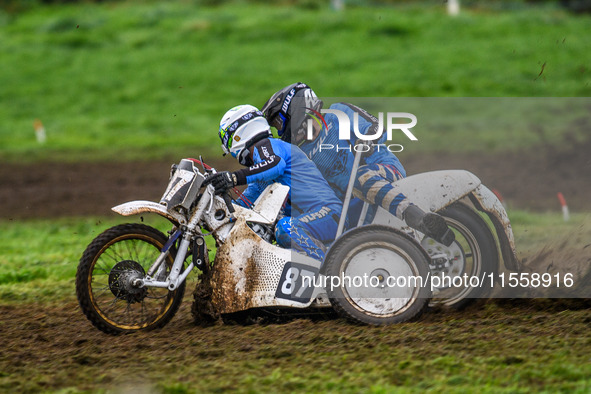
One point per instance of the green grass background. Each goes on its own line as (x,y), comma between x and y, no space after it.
(130,80)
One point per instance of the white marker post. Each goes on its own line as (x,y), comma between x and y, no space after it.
(453,7)
(338,5)
(39,131)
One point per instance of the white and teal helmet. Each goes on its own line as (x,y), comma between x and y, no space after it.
(240,128)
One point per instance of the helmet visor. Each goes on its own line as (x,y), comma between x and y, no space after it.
(225,136)
(280,123)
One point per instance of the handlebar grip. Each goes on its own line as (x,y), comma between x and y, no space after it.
(228,201)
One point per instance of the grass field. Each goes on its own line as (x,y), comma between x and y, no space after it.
(142,80)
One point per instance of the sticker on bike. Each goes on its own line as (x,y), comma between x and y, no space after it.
(297,282)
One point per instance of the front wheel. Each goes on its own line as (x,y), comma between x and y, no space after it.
(377,276)
(105,277)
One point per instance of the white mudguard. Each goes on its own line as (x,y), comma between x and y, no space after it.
(431,191)
(485,200)
(435,190)
(137,207)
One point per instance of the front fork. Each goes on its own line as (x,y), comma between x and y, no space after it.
(175,278)
(189,233)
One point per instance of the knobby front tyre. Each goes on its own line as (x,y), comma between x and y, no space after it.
(105,275)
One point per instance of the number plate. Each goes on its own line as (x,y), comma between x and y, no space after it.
(297,282)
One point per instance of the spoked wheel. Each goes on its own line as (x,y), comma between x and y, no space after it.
(377,276)
(472,255)
(106,276)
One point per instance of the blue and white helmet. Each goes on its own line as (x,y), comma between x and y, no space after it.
(240,128)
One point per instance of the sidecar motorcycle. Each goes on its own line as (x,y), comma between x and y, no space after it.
(133,277)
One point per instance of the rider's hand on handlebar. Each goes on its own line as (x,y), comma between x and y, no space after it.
(222,181)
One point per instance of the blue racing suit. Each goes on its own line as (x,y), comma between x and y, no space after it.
(378,170)
(313,208)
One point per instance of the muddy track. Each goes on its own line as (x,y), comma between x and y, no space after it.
(52,347)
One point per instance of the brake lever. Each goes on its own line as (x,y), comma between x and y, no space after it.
(228,201)
(209,188)
(202,164)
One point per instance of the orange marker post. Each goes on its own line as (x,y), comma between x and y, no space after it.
(500,197)
(564,207)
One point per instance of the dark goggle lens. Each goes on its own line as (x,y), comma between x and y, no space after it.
(277,122)
(280,123)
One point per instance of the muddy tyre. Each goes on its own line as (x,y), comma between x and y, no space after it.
(104,281)
(473,253)
(380,254)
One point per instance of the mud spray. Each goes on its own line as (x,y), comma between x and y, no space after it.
(568,253)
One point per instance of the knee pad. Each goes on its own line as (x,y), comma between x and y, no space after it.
(290,234)
(283,232)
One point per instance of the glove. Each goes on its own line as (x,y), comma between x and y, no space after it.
(222,181)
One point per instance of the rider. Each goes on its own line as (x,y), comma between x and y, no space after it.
(288,109)
(313,206)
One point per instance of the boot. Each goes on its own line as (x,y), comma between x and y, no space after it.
(430,224)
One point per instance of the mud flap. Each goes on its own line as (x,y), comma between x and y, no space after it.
(486,201)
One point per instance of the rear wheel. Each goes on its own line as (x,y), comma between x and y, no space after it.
(106,275)
(382,276)
(473,256)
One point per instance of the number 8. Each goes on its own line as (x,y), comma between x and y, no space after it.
(290,278)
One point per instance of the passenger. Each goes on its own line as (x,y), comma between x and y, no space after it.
(288,110)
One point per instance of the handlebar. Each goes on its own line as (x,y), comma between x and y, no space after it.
(226,194)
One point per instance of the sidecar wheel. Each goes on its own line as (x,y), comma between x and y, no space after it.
(396,270)
(104,281)
(473,254)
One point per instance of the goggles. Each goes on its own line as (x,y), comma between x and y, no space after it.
(280,123)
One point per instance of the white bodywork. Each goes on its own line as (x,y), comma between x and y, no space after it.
(265,210)
(433,191)
(267,206)
(247,268)
(248,272)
